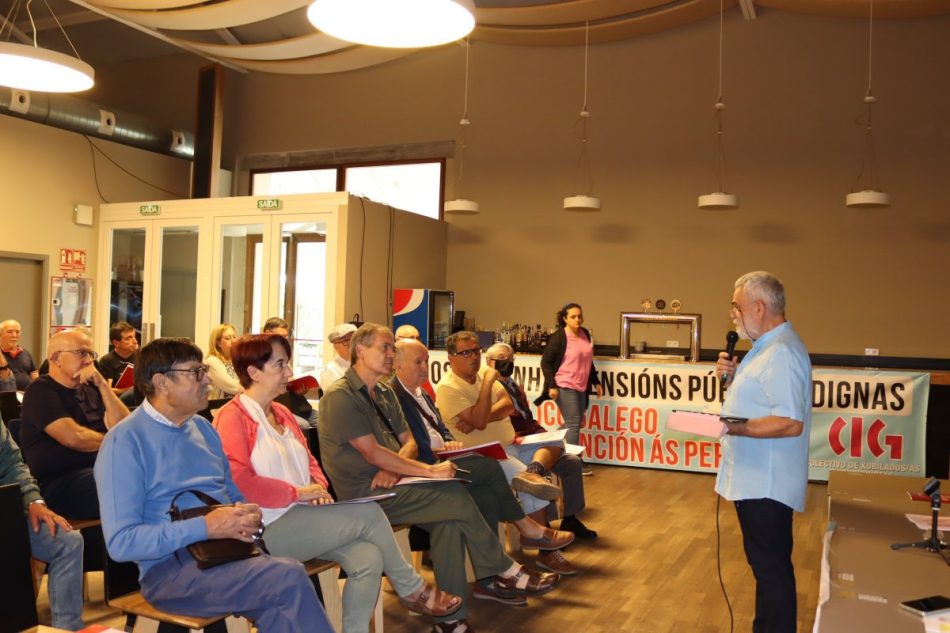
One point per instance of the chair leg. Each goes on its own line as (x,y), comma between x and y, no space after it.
(38,567)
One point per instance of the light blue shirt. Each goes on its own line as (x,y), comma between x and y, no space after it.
(774,378)
(142,464)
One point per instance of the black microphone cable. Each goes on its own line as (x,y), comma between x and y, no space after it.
(732,623)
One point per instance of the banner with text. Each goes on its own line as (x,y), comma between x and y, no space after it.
(862,420)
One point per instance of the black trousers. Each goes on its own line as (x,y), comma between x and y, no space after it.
(767,538)
(73,495)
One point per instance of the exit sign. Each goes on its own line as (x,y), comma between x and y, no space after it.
(150,209)
(269,204)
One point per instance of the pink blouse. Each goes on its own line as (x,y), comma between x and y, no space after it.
(238,431)
(574,371)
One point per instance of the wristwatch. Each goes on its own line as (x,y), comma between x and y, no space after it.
(40,501)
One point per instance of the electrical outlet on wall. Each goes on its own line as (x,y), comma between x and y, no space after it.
(672,343)
(871,351)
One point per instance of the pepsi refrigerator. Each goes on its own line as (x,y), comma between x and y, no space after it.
(432,312)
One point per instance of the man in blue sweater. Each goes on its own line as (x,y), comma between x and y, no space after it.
(163,449)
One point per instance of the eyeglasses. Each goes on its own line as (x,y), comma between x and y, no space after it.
(200,371)
(468,353)
(83,353)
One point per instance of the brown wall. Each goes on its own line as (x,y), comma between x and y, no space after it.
(794,86)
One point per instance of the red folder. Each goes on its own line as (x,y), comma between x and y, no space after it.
(127,379)
(491,449)
(919,496)
(302,385)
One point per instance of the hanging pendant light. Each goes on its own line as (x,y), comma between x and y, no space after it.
(394,23)
(720,199)
(461,206)
(584,201)
(29,67)
(864,192)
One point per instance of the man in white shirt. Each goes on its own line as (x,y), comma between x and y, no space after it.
(340,337)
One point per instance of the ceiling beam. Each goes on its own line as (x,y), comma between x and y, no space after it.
(748,9)
(228,37)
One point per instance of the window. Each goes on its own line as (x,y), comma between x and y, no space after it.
(411,186)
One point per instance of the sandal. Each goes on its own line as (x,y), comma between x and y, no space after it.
(458,626)
(443,603)
(526,581)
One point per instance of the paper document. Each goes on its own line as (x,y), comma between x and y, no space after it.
(370,499)
(573,449)
(419,481)
(705,424)
(491,449)
(548,437)
(925,521)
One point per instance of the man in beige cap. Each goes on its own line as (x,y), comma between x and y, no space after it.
(333,370)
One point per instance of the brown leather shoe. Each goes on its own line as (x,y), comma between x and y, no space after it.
(526,581)
(551,539)
(555,561)
(535,485)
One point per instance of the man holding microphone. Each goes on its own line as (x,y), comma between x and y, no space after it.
(765,458)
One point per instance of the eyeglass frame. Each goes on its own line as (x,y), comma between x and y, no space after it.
(202,369)
(467,353)
(83,353)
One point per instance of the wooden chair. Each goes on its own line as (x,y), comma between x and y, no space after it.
(18,600)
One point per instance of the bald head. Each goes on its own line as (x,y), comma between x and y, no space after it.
(69,352)
(407,331)
(70,339)
(411,363)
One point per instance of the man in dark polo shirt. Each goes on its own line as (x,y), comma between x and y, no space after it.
(124,346)
(15,357)
(65,417)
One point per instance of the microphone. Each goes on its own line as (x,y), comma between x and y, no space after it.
(731,339)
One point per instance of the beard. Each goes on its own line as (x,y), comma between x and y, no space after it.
(743,331)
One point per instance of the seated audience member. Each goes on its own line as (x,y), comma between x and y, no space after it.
(66,414)
(554,459)
(409,332)
(364,441)
(164,449)
(273,468)
(124,345)
(296,402)
(489,487)
(52,540)
(340,336)
(224,382)
(18,359)
(7,379)
(475,405)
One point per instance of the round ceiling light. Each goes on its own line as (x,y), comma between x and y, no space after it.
(582,203)
(868,199)
(461,206)
(394,23)
(718,200)
(37,69)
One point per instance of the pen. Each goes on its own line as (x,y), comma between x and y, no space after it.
(462,470)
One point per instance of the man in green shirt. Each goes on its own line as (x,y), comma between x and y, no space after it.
(366,448)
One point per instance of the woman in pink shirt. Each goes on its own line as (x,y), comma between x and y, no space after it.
(568,368)
(272,467)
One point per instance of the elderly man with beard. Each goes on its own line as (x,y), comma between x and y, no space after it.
(765,458)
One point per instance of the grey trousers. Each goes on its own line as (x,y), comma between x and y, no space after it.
(360,539)
(490,490)
(448,513)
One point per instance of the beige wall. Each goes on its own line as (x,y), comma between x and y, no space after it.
(793,86)
(45,171)
(419,257)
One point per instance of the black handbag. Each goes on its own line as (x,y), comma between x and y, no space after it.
(214,552)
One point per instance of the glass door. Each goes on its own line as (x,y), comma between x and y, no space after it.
(240,273)
(302,289)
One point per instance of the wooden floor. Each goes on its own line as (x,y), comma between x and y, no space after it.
(653,569)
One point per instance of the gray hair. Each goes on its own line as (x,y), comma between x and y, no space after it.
(765,287)
(365,335)
(452,342)
(499,347)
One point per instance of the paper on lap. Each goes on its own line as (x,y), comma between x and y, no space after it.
(705,424)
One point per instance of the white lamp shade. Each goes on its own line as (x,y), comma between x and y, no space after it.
(582,203)
(394,23)
(718,200)
(868,199)
(461,206)
(26,67)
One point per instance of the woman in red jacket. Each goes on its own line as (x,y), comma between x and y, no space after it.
(272,467)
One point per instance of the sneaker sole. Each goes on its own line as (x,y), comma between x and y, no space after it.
(547,492)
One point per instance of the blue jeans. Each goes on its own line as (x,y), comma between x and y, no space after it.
(573,405)
(63,554)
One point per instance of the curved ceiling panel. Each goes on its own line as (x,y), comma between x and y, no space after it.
(666,15)
(221,15)
(145,5)
(347,59)
(291,48)
(859,8)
